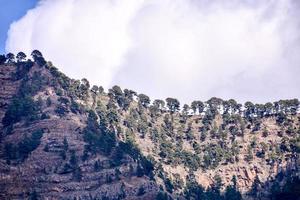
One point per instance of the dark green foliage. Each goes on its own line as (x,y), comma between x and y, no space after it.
(73,166)
(48,101)
(21,56)
(22,70)
(95,89)
(84,88)
(73,159)
(20,108)
(117,174)
(117,90)
(214,191)
(97,166)
(10,152)
(159,104)
(33,196)
(231,192)
(203,135)
(213,107)
(144,100)
(101,90)
(260,110)
(108,178)
(255,187)
(98,137)
(141,191)
(75,107)
(249,155)
(139,171)
(142,127)
(85,155)
(38,57)
(197,106)
(194,191)
(61,80)
(213,155)
(287,106)
(63,100)
(117,95)
(23,106)
(61,110)
(2,59)
(169,185)
(59,91)
(29,144)
(173,104)
(249,110)
(145,166)
(290,191)
(208,118)
(10,57)
(129,94)
(231,106)
(162,196)
(30,86)
(130,149)
(46,148)
(77,174)
(295,144)
(122,194)
(63,155)
(65,144)
(21,150)
(189,159)
(281,118)
(112,116)
(36,53)
(45,116)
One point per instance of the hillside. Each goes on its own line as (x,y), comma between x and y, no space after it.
(65,139)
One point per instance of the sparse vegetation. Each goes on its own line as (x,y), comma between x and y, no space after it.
(125,134)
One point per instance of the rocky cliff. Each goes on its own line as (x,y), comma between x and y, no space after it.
(62,139)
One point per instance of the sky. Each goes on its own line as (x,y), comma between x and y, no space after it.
(188,49)
(11,10)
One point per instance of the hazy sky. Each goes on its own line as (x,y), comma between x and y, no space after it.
(189,49)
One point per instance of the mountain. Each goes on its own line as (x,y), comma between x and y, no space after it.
(63,139)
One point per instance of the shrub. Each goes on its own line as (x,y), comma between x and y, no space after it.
(20,108)
(141,191)
(98,137)
(29,144)
(21,150)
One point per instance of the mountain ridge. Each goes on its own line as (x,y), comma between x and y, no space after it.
(117,145)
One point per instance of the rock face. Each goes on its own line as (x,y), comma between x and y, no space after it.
(82,143)
(8,87)
(45,173)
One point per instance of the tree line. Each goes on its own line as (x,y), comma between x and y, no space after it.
(211,107)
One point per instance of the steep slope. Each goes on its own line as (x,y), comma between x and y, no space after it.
(43,155)
(62,139)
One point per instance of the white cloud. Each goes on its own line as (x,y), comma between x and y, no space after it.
(84,38)
(182,48)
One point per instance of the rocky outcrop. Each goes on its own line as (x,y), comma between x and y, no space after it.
(61,166)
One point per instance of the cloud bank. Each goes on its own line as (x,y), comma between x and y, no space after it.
(180,48)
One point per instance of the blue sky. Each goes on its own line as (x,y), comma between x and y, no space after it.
(11,10)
